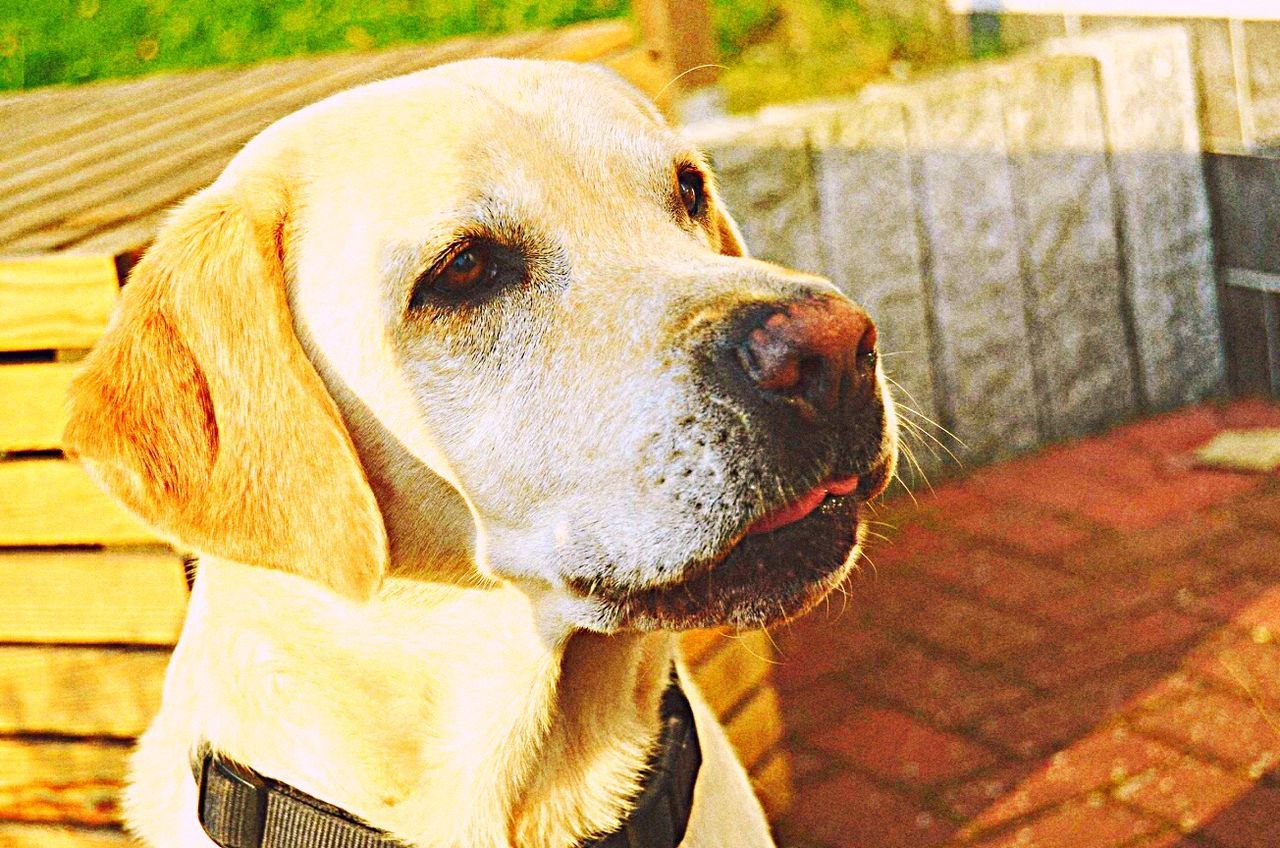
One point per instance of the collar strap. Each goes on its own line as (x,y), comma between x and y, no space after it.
(239,808)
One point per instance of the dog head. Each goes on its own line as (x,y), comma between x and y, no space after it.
(491,322)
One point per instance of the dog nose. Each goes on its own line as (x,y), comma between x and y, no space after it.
(809,352)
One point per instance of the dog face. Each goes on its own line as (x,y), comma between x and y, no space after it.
(545,344)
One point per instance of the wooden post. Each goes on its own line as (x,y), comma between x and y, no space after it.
(679,33)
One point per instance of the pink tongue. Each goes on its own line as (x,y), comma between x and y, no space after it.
(793,512)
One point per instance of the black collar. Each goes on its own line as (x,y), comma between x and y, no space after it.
(240,808)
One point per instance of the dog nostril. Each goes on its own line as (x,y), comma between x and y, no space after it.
(806,352)
(810,373)
(784,377)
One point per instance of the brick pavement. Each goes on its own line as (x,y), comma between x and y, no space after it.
(1077,649)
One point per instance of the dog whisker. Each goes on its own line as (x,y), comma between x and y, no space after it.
(911,428)
(875,572)
(917,470)
(885,524)
(915,413)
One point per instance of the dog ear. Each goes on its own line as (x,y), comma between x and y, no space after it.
(731,243)
(199,410)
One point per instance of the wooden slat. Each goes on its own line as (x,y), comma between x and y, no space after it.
(44,836)
(91,597)
(55,301)
(1243,278)
(160,191)
(43,117)
(77,144)
(733,672)
(157,170)
(79,691)
(61,782)
(53,502)
(84,125)
(33,397)
(58,188)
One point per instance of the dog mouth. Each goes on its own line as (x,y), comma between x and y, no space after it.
(802,507)
(777,567)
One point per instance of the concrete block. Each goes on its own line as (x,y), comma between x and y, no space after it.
(1172,287)
(1210,44)
(983,377)
(1149,105)
(1262,48)
(1220,119)
(1172,281)
(1062,189)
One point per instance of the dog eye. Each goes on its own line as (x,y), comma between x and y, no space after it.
(472,270)
(691,191)
(468,268)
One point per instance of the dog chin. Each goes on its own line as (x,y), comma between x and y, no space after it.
(761,580)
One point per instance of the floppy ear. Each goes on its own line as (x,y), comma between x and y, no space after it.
(199,410)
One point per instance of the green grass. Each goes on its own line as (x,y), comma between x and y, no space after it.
(797,49)
(775,49)
(43,42)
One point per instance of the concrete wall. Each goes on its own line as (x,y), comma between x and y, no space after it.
(1236,64)
(1032,236)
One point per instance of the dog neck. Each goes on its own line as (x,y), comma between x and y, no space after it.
(438,713)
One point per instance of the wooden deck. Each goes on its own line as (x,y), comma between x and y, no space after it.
(91,602)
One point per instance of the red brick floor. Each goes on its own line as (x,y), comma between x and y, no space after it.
(1077,649)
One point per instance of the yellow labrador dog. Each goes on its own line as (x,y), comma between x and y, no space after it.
(466,394)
